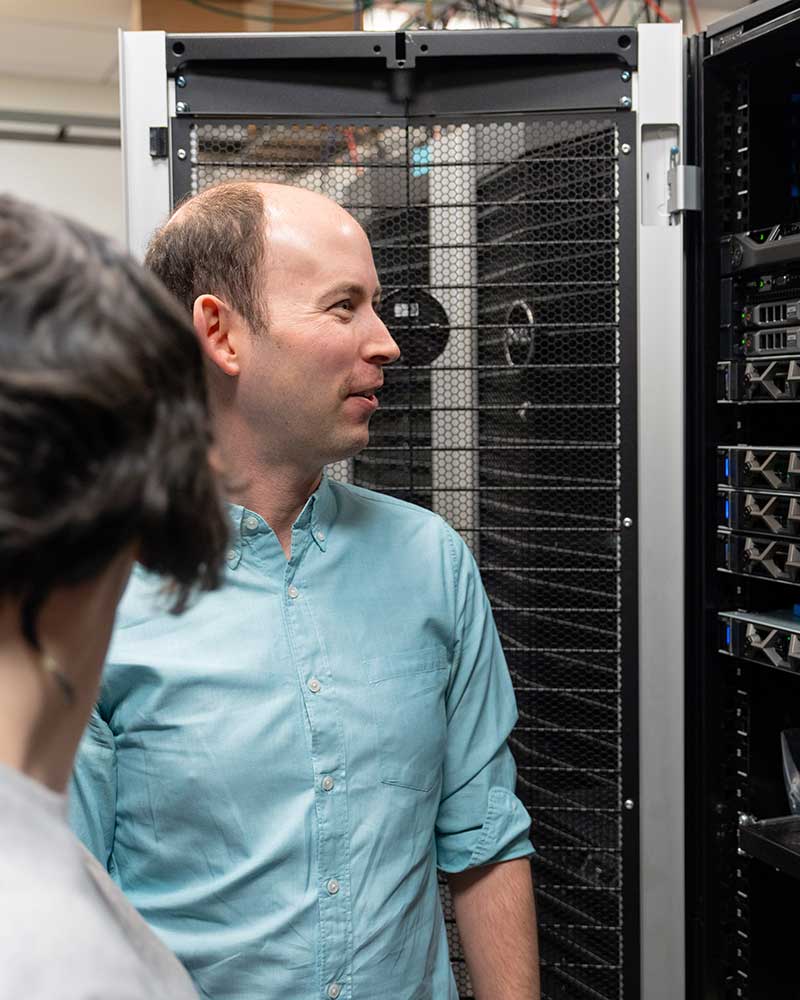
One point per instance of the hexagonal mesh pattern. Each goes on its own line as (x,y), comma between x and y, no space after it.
(497,246)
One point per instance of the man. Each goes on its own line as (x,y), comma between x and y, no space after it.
(274,778)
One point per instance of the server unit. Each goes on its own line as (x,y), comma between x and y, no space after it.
(514,186)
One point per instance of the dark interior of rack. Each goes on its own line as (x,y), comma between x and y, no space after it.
(737,931)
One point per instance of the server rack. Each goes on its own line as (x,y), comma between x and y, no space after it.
(743,595)
(514,187)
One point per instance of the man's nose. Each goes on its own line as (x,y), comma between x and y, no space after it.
(382,348)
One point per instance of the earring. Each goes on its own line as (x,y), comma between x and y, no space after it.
(51,666)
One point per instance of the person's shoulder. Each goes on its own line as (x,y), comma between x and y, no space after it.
(144,599)
(67,931)
(385,506)
(409,526)
(55,940)
(51,947)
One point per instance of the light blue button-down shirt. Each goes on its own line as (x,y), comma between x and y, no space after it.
(273,777)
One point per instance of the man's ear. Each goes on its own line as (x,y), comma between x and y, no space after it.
(217,328)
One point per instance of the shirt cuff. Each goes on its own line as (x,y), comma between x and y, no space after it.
(503,836)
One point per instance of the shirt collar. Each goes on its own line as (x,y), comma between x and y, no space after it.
(318,514)
(321,509)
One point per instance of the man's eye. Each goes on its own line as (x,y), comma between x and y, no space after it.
(344,304)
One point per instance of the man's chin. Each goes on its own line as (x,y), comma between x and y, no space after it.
(348,450)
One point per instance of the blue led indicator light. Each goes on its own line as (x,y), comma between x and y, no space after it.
(728,635)
(727,510)
(727,467)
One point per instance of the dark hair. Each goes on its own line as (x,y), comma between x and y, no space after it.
(215,243)
(104,427)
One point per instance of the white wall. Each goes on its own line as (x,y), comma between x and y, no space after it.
(83,182)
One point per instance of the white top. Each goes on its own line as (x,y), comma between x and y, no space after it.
(66,930)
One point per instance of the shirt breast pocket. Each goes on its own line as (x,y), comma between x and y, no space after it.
(408,706)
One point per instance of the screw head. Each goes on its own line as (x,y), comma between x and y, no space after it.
(181,81)
(180,106)
(625,102)
(627,522)
(625,75)
(181,154)
(629,804)
(625,148)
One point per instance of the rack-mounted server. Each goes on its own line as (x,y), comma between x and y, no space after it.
(759,512)
(769,639)
(759,467)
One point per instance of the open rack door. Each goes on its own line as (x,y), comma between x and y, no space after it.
(496,175)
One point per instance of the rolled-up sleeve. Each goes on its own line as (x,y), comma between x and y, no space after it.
(480,820)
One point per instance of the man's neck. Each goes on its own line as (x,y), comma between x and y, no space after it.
(278,494)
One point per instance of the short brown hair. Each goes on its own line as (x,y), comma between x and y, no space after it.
(215,243)
(104,427)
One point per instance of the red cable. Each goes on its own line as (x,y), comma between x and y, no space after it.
(554,13)
(659,12)
(597,12)
(352,149)
(695,15)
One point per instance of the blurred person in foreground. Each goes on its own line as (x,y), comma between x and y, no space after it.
(274,778)
(104,459)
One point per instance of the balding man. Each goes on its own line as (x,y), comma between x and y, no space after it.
(274,777)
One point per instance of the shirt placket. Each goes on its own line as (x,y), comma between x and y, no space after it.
(318,690)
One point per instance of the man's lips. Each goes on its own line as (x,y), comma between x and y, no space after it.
(366,398)
(369,392)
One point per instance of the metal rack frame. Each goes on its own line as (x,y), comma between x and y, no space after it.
(632,77)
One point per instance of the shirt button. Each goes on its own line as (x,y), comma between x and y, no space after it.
(333,886)
(251,523)
(334,991)
(320,536)
(327,783)
(293,591)
(230,555)
(314,685)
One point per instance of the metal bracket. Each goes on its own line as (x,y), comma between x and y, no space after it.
(684,186)
(159,143)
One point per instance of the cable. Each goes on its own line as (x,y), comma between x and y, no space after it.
(695,15)
(597,12)
(659,12)
(554,14)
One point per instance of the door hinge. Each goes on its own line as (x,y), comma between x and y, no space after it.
(684,187)
(159,143)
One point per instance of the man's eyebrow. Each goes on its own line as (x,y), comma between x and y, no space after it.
(351,288)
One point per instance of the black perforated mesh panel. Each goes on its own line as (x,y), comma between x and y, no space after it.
(497,245)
